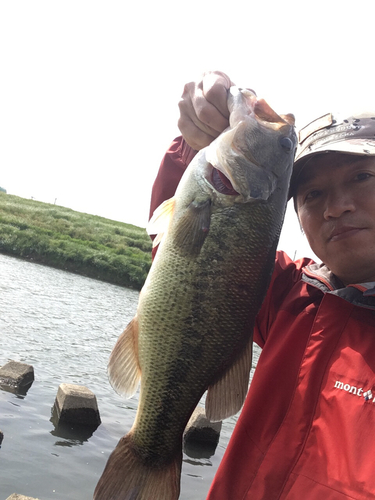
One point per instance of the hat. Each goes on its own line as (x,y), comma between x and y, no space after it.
(333,133)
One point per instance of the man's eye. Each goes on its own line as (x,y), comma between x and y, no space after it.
(312,195)
(362,176)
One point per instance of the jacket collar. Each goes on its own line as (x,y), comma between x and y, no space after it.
(320,276)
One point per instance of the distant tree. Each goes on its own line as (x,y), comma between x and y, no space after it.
(3,190)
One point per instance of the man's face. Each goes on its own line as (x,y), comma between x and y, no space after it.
(335,200)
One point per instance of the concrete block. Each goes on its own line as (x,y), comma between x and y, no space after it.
(17,376)
(76,404)
(201,436)
(15,496)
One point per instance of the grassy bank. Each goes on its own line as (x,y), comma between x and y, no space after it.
(85,244)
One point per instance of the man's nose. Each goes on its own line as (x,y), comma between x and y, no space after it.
(338,202)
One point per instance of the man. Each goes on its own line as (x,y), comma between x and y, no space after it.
(306,429)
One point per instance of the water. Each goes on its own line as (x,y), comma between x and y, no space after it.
(66,326)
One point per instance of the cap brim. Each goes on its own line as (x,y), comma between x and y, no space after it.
(363,147)
(351,146)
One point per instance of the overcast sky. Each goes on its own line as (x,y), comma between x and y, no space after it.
(89,89)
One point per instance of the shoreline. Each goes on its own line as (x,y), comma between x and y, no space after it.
(84,244)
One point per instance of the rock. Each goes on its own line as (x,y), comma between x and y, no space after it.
(17,376)
(15,496)
(1,437)
(201,436)
(76,404)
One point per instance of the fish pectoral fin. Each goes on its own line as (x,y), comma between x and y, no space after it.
(193,227)
(123,368)
(226,397)
(160,220)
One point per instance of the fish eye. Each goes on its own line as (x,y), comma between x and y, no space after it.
(286,144)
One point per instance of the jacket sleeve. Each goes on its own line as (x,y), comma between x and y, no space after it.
(171,169)
(285,275)
(173,165)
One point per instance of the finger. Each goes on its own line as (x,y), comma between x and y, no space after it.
(207,115)
(215,86)
(204,114)
(193,135)
(199,117)
(203,109)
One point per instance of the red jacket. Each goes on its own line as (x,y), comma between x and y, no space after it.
(306,428)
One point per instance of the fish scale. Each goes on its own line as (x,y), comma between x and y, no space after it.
(196,312)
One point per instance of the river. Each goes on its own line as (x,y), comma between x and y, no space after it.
(65,326)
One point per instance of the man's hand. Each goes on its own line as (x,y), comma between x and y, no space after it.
(203,109)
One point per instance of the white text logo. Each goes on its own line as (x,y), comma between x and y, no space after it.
(357,391)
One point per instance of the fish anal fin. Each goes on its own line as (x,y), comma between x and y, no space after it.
(127,477)
(160,220)
(193,227)
(226,397)
(123,367)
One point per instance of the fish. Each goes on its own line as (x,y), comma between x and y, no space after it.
(192,331)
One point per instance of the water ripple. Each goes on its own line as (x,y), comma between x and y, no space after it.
(66,326)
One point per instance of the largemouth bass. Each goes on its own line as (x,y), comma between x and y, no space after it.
(196,311)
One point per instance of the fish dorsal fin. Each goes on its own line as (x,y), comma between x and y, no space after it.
(123,367)
(160,220)
(226,397)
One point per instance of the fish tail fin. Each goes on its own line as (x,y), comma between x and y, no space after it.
(127,477)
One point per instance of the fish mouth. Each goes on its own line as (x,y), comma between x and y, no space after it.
(236,168)
(221,183)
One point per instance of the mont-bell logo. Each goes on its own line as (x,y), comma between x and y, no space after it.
(368,395)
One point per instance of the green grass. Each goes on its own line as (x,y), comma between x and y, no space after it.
(85,244)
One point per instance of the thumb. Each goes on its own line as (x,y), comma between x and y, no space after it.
(215,86)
